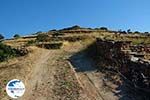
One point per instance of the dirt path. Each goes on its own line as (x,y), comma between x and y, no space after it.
(51,78)
(46,75)
(40,81)
(91,80)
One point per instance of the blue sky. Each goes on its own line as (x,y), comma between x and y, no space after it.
(29,16)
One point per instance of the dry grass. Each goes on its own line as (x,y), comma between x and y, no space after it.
(17,42)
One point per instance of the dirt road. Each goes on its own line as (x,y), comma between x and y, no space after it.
(46,75)
(51,78)
(40,81)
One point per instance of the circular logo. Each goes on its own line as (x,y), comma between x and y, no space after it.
(15,88)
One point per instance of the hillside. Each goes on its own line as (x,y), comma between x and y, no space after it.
(78,63)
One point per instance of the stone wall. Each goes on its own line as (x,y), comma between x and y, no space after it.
(121,57)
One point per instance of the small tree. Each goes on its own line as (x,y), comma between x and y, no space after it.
(1,37)
(16,36)
(104,28)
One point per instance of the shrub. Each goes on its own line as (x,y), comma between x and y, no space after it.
(16,36)
(31,42)
(124,32)
(72,28)
(129,31)
(1,37)
(51,45)
(42,37)
(56,34)
(104,28)
(6,52)
(146,34)
(136,32)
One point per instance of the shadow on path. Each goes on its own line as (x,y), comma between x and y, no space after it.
(82,63)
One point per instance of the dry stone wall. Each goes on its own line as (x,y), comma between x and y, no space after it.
(126,59)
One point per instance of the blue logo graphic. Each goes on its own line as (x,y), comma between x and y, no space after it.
(15,88)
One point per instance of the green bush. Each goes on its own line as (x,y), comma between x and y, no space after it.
(7,52)
(16,36)
(56,34)
(31,42)
(42,37)
(104,28)
(1,37)
(136,32)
